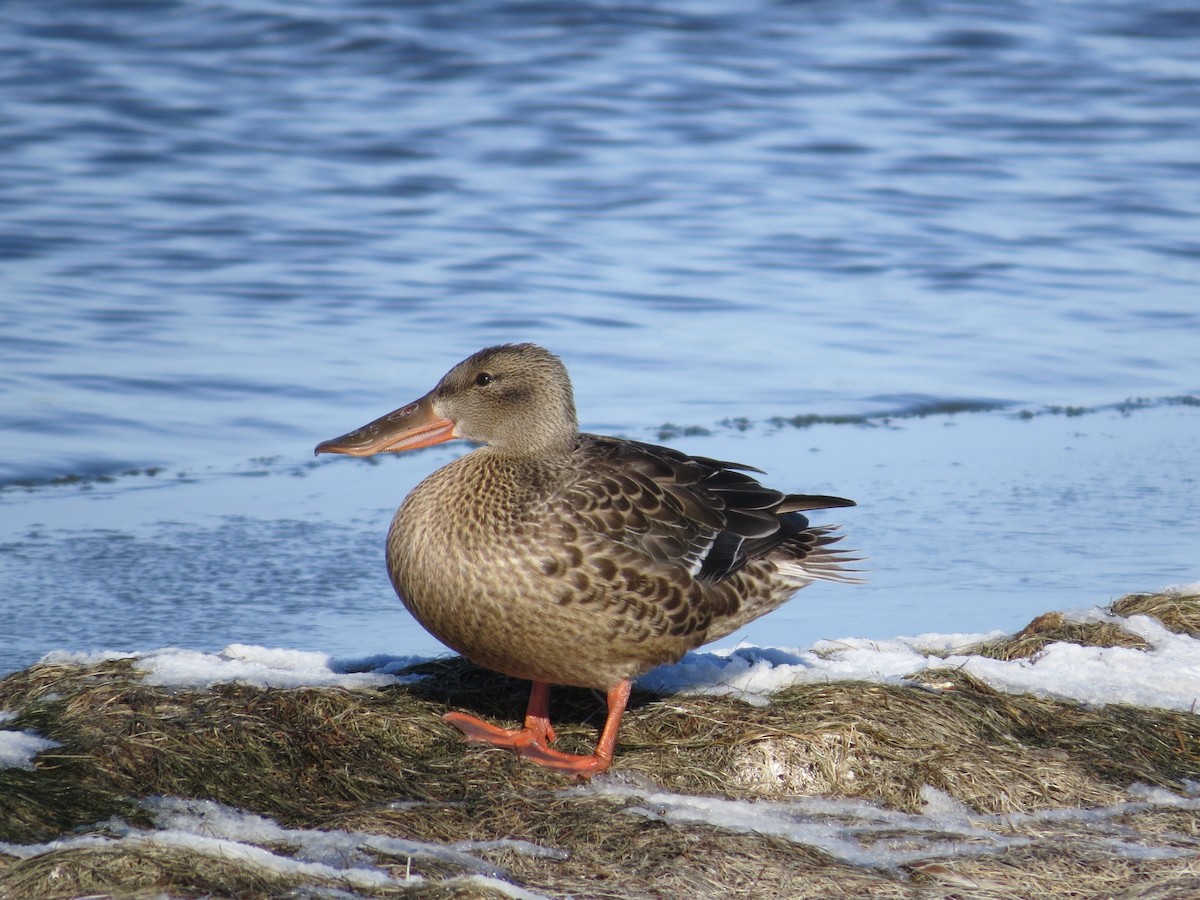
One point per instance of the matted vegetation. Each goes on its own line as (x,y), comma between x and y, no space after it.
(1179,612)
(1014,771)
(1051,628)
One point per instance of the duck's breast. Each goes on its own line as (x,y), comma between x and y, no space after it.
(503,566)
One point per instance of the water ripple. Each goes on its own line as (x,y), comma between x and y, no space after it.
(221,204)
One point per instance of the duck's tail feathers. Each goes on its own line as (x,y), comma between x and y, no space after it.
(810,556)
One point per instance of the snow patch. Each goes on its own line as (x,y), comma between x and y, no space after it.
(211,829)
(257,666)
(1165,676)
(18,748)
(852,831)
(863,834)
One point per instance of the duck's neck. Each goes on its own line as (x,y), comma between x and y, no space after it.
(536,446)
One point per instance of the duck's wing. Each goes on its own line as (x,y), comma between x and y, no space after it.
(705,515)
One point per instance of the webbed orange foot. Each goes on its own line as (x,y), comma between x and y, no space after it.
(531,742)
(528,743)
(485,733)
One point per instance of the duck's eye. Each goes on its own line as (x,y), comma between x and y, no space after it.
(483,379)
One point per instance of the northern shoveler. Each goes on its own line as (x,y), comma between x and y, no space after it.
(569,558)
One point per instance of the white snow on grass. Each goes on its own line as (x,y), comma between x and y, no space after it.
(860,833)
(264,667)
(18,748)
(247,664)
(851,831)
(83,658)
(1166,676)
(211,829)
(328,847)
(854,832)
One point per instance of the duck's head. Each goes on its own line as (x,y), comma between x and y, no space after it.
(515,397)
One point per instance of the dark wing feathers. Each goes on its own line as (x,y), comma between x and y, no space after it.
(805,502)
(703,513)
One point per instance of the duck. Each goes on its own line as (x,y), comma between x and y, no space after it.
(567,558)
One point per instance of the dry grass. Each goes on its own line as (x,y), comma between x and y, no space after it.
(1179,612)
(149,871)
(1054,627)
(380,761)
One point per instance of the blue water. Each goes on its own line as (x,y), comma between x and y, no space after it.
(229,230)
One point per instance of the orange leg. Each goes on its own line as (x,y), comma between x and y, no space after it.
(531,742)
(537,724)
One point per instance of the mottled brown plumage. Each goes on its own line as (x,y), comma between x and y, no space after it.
(571,558)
